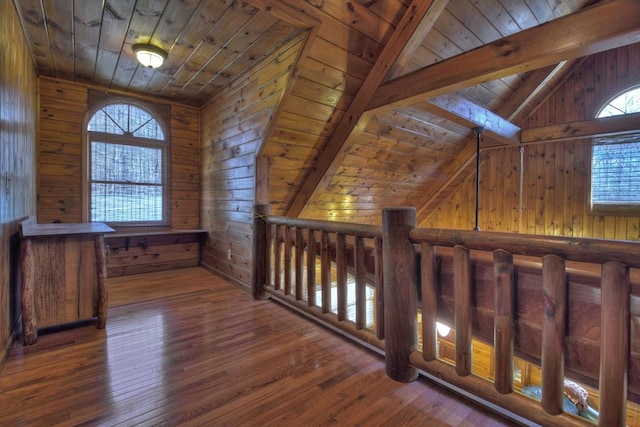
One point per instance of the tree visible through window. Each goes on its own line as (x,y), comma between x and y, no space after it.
(615,161)
(127,166)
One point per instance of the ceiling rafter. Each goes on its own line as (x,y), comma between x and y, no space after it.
(462,111)
(537,87)
(595,128)
(333,153)
(601,27)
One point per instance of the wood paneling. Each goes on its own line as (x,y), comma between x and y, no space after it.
(550,193)
(145,252)
(18,118)
(63,106)
(63,110)
(233,127)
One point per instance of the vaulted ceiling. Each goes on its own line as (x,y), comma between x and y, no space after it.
(386,94)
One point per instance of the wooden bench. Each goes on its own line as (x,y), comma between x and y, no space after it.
(143,251)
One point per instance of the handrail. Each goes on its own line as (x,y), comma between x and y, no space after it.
(569,248)
(305,248)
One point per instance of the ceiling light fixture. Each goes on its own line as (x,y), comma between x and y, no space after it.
(149,55)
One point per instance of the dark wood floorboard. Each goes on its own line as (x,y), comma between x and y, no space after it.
(184,347)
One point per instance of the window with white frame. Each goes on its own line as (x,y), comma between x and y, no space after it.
(615,161)
(127,170)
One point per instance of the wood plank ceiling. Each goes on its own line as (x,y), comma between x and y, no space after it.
(386,94)
(209,43)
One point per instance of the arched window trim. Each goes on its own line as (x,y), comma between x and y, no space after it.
(615,165)
(158,113)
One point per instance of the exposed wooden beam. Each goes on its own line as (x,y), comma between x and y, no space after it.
(594,128)
(462,111)
(535,82)
(598,28)
(333,153)
(417,38)
(538,86)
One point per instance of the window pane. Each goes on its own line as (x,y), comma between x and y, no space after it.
(125,202)
(628,102)
(125,163)
(615,173)
(101,122)
(127,176)
(123,118)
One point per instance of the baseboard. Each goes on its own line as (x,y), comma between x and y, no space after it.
(237,283)
(13,337)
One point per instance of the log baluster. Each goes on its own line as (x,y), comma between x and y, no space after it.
(311,268)
(379,305)
(299,250)
(287,260)
(462,309)
(400,292)
(325,271)
(503,328)
(614,334)
(553,330)
(268,256)
(429,301)
(361,283)
(341,271)
(277,258)
(260,265)
(101,272)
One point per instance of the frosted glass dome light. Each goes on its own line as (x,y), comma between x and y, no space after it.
(149,56)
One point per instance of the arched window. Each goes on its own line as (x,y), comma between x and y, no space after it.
(127,166)
(615,161)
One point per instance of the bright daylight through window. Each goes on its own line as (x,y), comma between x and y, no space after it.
(615,162)
(127,166)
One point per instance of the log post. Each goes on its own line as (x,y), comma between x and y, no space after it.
(29,322)
(503,327)
(101,271)
(462,308)
(429,300)
(260,245)
(614,343)
(400,292)
(553,330)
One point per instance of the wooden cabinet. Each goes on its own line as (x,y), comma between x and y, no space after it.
(64,275)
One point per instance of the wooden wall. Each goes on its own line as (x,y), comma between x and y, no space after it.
(234,125)
(18,117)
(350,37)
(550,193)
(63,107)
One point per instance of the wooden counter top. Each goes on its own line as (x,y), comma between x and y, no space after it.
(29,228)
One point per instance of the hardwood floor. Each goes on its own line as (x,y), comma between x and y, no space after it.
(186,347)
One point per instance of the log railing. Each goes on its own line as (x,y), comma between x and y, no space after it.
(294,256)
(395,246)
